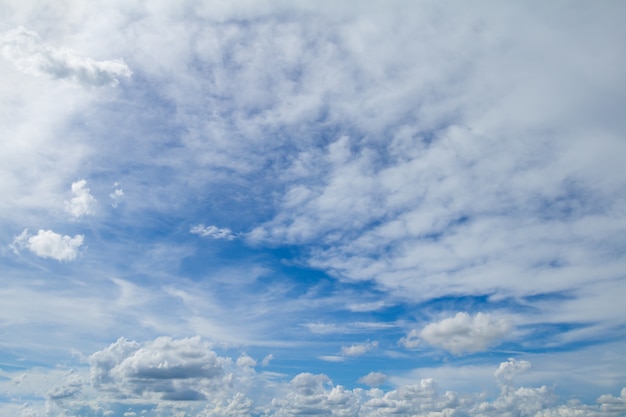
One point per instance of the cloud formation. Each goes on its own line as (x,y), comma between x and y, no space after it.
(465,333)
(48,244)
(83,203)
(373,379)
(359,348)
(165,376)
(184,369)
(31,55)
(213,232)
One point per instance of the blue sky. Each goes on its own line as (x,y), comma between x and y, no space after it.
(258,208)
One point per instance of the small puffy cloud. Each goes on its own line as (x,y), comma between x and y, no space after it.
(507,371)
(465,333)
(48,244)
(359,348)
(117,195)
(373,379)
(83,202)
(31,55)
(213,232)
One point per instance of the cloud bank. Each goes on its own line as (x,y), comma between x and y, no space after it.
(167,377)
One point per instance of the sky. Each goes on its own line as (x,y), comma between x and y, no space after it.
(275,208)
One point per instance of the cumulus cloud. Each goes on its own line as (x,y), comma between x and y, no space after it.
(465,333)
(312,394)
(359,348)
(373,379)
(31,55)
(71,387)
(167,376)
(48,244)
(213,232)
(83,203)
(184,369)
(508,370)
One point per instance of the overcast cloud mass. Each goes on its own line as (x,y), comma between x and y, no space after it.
(269,208)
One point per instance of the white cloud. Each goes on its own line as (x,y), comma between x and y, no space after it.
(165,376)
(48,244)
(31,55)
(185,369)
(411,340)
(213,232)
(359,348)
(507,371)
(373,379)
(245,361)
(83,203)
(465,333)
(117,195)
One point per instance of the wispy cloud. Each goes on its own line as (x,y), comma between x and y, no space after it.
(213,232)
(31,55)
(359,348)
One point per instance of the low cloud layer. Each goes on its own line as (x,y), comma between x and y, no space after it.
(166,377)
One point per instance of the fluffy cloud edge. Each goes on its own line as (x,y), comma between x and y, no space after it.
(462,333)
(49,244)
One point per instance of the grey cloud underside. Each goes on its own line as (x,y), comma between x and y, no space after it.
(187,373)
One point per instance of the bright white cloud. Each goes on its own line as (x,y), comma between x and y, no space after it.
(465,333)
(213,232)
(48,244)
(83,203)
(31,55)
